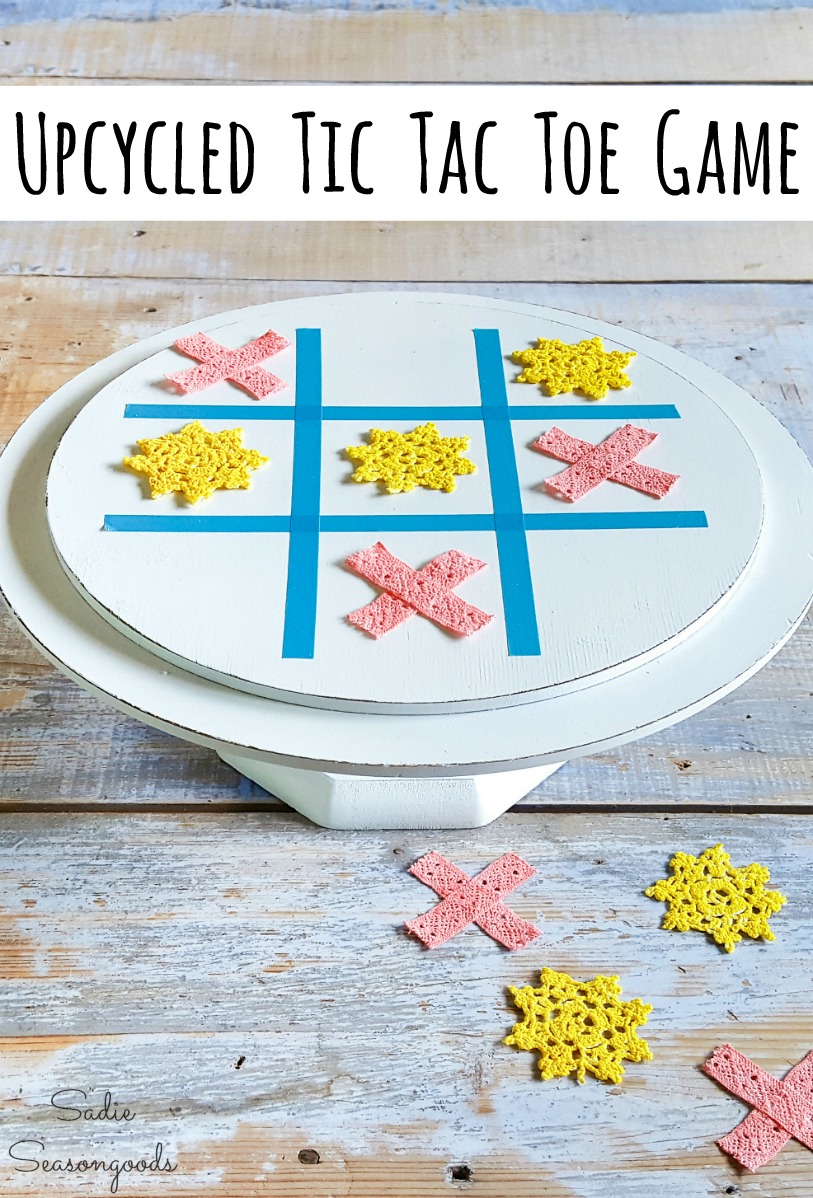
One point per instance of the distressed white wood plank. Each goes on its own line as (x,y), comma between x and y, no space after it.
(17,13)
(148,955)
(501,44)
(421,251)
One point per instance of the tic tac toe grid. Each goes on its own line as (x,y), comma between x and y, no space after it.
(508,521)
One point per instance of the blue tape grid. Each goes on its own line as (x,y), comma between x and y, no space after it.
(303,542)
(199,411)
(512,544)
(507,521)
(477,522)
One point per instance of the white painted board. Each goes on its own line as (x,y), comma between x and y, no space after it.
(757,619)
(604,600)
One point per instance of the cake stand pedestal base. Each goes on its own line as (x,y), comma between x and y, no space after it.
(353,801)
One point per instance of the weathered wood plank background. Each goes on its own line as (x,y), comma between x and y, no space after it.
(419,43)
(152,955)
(239,978)
(423,251)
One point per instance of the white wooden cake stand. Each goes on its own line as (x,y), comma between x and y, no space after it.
(225,622)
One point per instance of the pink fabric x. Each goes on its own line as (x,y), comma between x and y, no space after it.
(559,444)
(239,366)
(782,1109)
(594,464)
(406,591)
(472,900)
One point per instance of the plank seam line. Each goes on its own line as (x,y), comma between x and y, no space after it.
(276,806)
(157,80)
(564,281)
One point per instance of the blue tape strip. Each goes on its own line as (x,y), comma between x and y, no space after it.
(587,411)
(482,522)
(597,411)
(512,546)
(420,413)
(587,520)
(462,523)
(212,411)
(197,523)
(303,546)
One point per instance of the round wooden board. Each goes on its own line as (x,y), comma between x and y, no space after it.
(599,600)
(758,617)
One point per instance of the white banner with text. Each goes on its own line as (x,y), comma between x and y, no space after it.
(399,152)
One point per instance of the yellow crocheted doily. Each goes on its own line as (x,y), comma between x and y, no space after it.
(708,894)
(196,462)
(403,461)
(586,366)
(579,1026)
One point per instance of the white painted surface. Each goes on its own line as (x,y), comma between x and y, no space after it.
(347,801)
(750,749)
(606,600)
(756,621)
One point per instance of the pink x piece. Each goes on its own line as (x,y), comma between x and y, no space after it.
(783,1110)
(427,592)
(472,900)
(241,366)
(610,460)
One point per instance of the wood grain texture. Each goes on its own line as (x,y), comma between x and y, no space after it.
(62,746)
(489,44)
(494,252)
(148,955)
(16,12)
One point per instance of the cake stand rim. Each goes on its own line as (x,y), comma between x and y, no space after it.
(796,463)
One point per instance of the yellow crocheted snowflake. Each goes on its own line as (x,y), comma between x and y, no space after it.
(586,366)
(579,1026)
(196,462)
(403,461)
(708,894)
